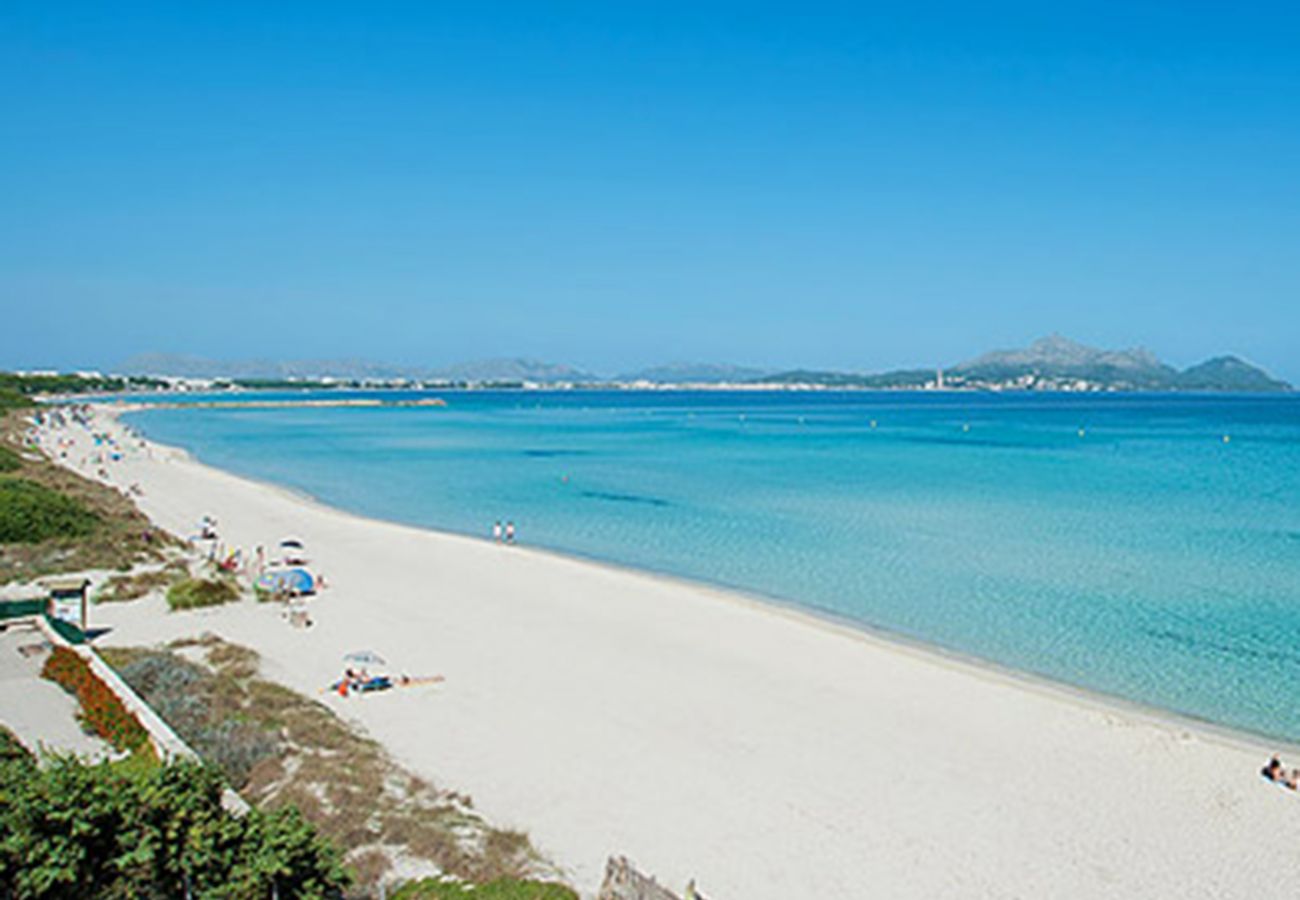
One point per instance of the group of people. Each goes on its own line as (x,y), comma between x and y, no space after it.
(503,534)
(359,681)
(1279,774)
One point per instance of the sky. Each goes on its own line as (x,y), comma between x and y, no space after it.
(611,185)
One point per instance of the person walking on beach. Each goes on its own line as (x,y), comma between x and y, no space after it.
(496,532)
(510,532)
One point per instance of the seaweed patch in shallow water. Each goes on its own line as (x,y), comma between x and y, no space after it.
(625,498)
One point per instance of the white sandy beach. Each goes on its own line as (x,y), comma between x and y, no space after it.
(764,753)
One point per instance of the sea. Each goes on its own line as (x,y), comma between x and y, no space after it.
(1143,546)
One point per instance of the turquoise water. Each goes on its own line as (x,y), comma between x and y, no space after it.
(1146,558)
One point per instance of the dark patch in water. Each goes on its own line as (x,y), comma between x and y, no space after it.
(972,442)
(549,454)
(1233,650)
(624,498)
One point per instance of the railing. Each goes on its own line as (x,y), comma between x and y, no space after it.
(21,609)
(69,632)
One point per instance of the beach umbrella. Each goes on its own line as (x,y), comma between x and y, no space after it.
(293,552)
(369,657)
(294,581)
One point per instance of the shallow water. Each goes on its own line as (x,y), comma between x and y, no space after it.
(1113,542)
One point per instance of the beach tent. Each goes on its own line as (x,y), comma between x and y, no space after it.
(291,581)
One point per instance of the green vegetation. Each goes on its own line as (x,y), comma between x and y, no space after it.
(9,460)
(26,385)
(193,593)
(282,749)
(121,536)
(12,749)
(101,711)
(68,829)
(203,708)
(134,585)
(31,513)
(11,399)
(501,889)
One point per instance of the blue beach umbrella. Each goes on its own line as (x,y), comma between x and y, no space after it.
(293,581)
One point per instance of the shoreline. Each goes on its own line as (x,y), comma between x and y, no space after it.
(764,749)
(795,610)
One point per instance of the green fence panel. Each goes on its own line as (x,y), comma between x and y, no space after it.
(69,632)
(21,609)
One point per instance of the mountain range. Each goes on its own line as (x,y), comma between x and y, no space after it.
(1058,362)
(1050,362)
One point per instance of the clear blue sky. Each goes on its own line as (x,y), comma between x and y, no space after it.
(615,184)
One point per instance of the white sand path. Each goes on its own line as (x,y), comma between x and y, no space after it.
(42,715)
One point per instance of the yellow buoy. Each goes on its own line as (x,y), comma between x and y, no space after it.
(1227,438)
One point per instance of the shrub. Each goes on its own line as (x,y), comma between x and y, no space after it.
(182,693)
(31,513)
(134,585)
(9,460)
(76,830)
(11,399)
(192,593)
(501,889)
(12,749)
(101,710)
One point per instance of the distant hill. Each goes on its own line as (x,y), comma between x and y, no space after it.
(694,373)
(901,378)
(511,370)
(1228,373)
(1058,362)
(1052,363)
(504,370)
(1061,358)
(181,366)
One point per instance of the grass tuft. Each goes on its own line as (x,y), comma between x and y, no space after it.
(194,593)
(500,889)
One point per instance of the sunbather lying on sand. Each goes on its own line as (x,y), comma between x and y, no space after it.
(1276,773)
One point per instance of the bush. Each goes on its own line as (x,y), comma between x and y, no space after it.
(12,749)
(12,399)
(76,830)
(101,710)
(9,460)
(31,513)
(183,694)
(501,889)
(134,585)
(192,593)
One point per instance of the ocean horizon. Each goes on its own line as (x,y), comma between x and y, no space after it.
(1145,546)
